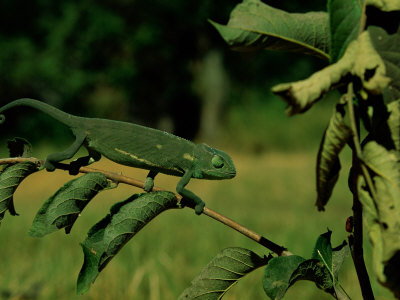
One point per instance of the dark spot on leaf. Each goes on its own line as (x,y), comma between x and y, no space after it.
(369,73)
(384,225)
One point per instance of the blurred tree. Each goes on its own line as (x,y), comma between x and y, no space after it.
(124,58)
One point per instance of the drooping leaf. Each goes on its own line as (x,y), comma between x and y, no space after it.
(382,214)
(360,59)
(277,274)
(19,147)
(224,270)
(63,208)
(387,44)
(10,178)
(344,24)
(108,236)
(254,25)
(328,164)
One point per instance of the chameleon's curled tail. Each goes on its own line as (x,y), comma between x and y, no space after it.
(57,114)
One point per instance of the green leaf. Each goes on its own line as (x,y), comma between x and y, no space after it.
(63,208)
(19,147)
(344,21)
(254,25)
(10,178)
(316,271)
(224,270)
(323,249)
(384,5)
(360,59)
(382,214)
(328,164)
(387,44)
(277,274)
(108,236)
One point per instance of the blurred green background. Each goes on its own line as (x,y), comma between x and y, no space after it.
(161,64)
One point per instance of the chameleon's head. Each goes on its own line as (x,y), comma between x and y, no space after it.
(211,163)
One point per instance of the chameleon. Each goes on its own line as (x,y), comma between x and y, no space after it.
(136,146)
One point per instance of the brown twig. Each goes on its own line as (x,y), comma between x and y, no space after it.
(118,178)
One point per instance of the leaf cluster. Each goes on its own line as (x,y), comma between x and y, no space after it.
(360,41)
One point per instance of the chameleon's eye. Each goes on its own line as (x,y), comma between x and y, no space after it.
(217,161)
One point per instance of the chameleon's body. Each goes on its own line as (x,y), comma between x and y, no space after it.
(137,146)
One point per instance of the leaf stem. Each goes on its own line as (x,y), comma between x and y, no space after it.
(279,250)
(356,238)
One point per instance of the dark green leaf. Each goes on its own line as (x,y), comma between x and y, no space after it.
(19,147)
(316,271)
(108,236)
(277,274)
(10,178)
(63,208)
(328,164)
(222,273)
(323,249)
(387,44)
(253,25)
(344,21)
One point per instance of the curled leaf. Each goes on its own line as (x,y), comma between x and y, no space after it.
(106,238)
(222,273)
(10,178)
(382,211)
(254,25)
(360,59)
(63,208)
(384,5)
(328,164)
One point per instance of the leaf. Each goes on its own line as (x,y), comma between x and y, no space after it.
(223,271)
(323,249)
(254,25)
(19,147)
(10,178)
(277,274)
(360,59)
(328,164)
(384,5)
(387,45)
(63,208)
(344,24)
(314,270)
(108,236)
(382,215)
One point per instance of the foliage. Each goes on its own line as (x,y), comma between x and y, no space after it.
(364,65)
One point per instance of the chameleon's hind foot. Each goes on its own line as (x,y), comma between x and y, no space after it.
(49,166)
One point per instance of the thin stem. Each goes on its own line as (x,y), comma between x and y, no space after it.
(356,238)
(118,178)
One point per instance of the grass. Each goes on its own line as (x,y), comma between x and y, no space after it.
(273,194)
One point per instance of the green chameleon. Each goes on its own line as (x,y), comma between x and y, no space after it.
(136,146)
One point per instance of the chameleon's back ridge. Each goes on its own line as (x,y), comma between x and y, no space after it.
(55,113)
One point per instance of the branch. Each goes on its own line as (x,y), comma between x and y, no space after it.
(118,178)
(356,239)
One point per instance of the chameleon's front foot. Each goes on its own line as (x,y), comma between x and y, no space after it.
(148,184)
(199,208)
(49,166)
